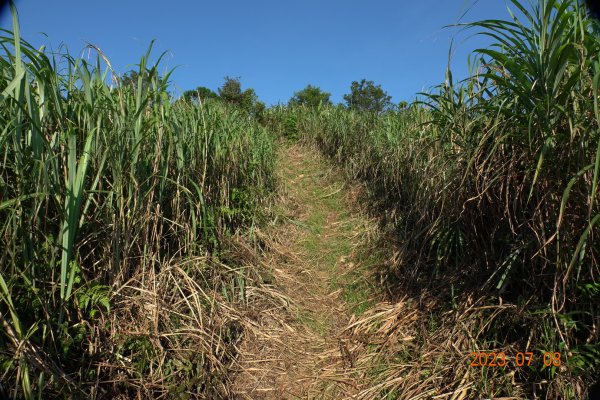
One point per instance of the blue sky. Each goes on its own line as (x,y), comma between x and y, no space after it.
(276,46)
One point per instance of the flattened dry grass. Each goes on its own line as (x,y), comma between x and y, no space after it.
(294,353)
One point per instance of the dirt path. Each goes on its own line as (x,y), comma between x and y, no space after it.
(297,351)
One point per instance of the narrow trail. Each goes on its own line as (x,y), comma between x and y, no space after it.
(299,351)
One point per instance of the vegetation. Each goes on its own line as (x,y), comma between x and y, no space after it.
(200,94)
(366,96)
(310,96)
(130,223)
(114,205)
(131,78)
(490,190)
(231,93)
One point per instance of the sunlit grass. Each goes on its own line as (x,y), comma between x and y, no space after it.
(101,182)
(491,184)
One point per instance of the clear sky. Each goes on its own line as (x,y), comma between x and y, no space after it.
(275,46)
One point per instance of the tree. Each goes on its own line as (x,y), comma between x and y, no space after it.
(366,96)
(130,79)
(231,92)
(310,96)
(247,100)
(259,111)
(201,93)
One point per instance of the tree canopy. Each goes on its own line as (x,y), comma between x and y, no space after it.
(247,100)
(310,96)
(201,93)
(131,79)
(366,96)
(231,92)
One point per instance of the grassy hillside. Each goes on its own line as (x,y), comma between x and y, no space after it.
(129,262)
(488,189)
(114,200)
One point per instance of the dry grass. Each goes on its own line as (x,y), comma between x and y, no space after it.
(488,195)
(299,349)
(402,358)
(122,270)
(175,331)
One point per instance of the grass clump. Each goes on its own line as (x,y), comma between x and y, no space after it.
(490,187)
(105,187)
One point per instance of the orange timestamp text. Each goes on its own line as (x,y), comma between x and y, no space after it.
(521,359)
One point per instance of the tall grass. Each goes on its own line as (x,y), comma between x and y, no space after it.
(491,186)
(103,187)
